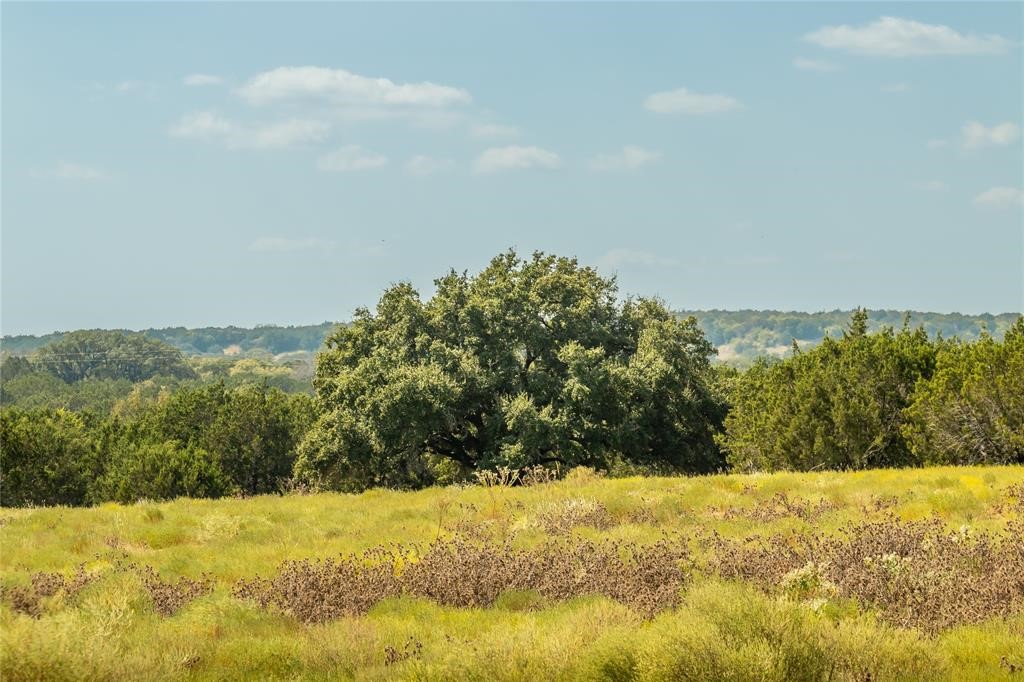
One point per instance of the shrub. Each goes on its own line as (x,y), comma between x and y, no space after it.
(972,410)
(159,471)
(46,457)
(837,406)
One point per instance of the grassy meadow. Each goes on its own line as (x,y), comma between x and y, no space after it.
(744,609)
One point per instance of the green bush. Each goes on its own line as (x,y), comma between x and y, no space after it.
(972,409)
(837,406)
(46,457)
(159,471)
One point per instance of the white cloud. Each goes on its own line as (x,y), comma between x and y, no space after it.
(931,185)
(493,130)
(343,87)
(282,135)
(1001,197)
(351,157)
(682,101)
(284,245)
(498,159)
(617,258)
(976,135)
(424,166)
(209,126)
(202,125)
(819,65)
(67,170)
(200,79)
(630,158)
(895,87)
(937,144)
(895,37)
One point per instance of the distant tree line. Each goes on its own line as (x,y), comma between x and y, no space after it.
(741,335)
(95,371)
(273,339)
(532,362)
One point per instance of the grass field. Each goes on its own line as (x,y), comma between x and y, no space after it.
(909,574)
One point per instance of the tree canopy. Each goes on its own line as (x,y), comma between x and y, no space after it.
(111,355)
(972,410)
(837,406)
(531,361)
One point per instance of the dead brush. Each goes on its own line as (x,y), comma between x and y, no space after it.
(916,574)
(315,591)
(879,503)
(464,573)
(413,648)
(28,599)
(559,518)
(780,506)
(170,597)
(1012,502)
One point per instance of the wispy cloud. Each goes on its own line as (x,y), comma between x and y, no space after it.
(1001,197)
(931,186)
(895,37)
(70,171)
(210,126)
(630,158)
(819,65)
(937,144)
(133,86)
(201,79)
(683,101)
(493,130)
(498,159)
(618,258)
(341,86)
(977,135)
(424,166)
(285,245)
(350,158)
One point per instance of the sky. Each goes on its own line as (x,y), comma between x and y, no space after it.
(283,163)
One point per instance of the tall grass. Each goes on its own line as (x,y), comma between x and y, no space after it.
(130,622)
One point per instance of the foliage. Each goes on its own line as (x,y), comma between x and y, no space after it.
(110,355)
(47,458)
(206,340)
(744,335)
(42,390)
(972,410)
(529,362)
(197,441)
(251,432)
(292,375)
(158,471)
(837,406)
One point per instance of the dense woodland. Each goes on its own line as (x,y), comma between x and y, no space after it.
(532,362)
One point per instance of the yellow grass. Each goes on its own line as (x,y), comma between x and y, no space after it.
(720,631)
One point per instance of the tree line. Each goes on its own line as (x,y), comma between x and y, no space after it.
(531,362)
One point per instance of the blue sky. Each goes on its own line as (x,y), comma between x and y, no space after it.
(213,164)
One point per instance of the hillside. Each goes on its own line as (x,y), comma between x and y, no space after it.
(739,335)
(911,574)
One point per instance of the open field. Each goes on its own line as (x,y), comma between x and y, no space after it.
(887,574)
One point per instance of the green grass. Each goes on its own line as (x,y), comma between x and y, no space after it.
(719,631)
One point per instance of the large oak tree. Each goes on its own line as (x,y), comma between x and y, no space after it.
(531,361)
